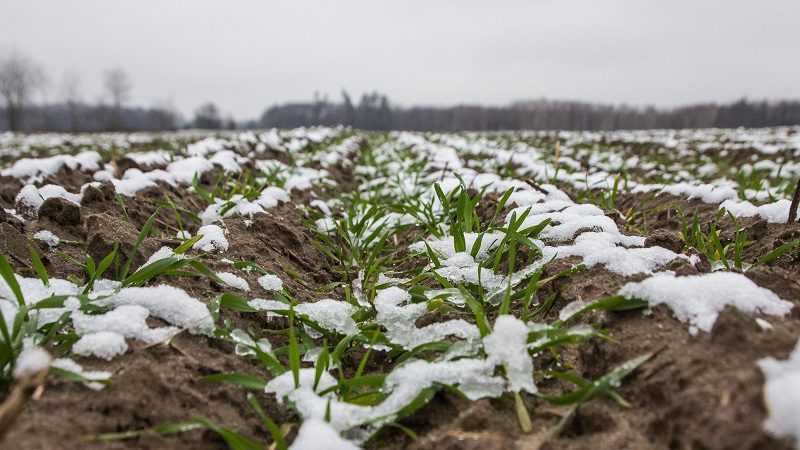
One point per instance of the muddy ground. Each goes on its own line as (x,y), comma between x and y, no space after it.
(697,392)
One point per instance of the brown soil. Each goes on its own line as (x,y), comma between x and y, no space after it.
(697,392)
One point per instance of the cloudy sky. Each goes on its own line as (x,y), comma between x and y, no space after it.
(246,55)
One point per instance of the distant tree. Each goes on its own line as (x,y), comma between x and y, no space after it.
(230,123)
(19,79)
(207,117)
(118,87)
(318,106)
(349,109)
(70,93)
(164,116)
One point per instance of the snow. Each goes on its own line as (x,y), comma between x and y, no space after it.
(34,290)
(445,247)
(507,346)
(398,319)
(94,377)
(283,384)
(130,185)
(708,193)
(270,282)
(213,239)
(234,281)
(103,344)
(55,191)
(36,169)
(776,212)
(763,324)
(601,248)
(28,201)
(782,395)
(699,299)
(30,198)
(169,303)
(30,361)
(246,345)
(474,378)
(48,237)
(316,434)
(267,305)
(184,170)
(126,320)
(330,314)
(162,253)
(152,158)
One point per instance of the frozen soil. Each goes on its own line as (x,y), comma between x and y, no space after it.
(697,392)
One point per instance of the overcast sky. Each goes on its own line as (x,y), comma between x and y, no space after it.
(246,55)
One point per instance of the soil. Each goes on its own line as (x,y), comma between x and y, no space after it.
(696,392)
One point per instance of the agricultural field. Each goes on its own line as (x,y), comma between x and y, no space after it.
(327,288)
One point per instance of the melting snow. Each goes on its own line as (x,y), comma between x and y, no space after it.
(330,314)
(234,281)
(699,299)
(782,395)
(507,345)
(103,344)
(94,377)
(213,239)
(270,282)
(316,434)
(47,237)
(31,360)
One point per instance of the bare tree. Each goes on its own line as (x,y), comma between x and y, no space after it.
(118,85)
(165,116)
(70,93)
(207,117)
(19,79)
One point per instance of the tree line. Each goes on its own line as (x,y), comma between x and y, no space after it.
(375,112)
(22,78)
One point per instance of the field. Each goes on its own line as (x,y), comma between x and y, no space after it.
(330,288)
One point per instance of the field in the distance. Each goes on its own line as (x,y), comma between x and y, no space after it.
(334,289)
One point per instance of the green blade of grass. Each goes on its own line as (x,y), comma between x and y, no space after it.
(294,352)
(8,275)
(146,228)
(38,266)
(240,379)
(269,424)
(778,252)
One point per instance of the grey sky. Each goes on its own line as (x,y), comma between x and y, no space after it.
(246,55)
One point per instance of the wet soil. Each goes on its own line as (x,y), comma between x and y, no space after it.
(696,392)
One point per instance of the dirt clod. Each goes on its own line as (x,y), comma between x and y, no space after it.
(60,211)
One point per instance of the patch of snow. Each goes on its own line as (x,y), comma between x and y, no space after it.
(398,318)
(316,434)
(270,282)
(330,314)
(94,377)
(507,345)
(48,237)
(283,384)
(126,320)
(234,281)
(213,239)
(30,361)
(699,299)
(782,395)
(103,344)
(169,303)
